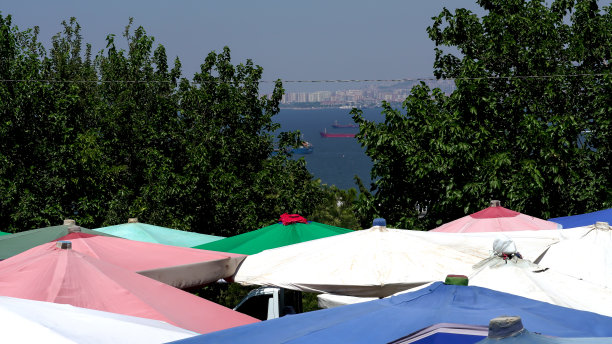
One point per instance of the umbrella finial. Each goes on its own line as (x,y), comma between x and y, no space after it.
(505,326)
(64,244)
(379,222)
(456,280)
(133,220)
(69,222)
(74,229)
(495,203)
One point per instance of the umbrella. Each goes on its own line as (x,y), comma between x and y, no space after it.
(446,333)
(291,231)
(588,257)
(495,219)
(3,233)
(62,275)
(521,277)
(584,219)
(388,319)
(27,321)
(375,262)
(13,244)
(180,267)
(137,231)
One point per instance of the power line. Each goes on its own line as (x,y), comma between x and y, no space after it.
(319,81)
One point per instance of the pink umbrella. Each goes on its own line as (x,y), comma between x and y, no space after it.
(62,275)
(495,219)
(179,267)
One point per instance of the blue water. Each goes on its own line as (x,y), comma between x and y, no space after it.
(334,160)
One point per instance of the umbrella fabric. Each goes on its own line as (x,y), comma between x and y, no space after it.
(388,319)
(69,277)
(588,257)
(446,333)
(13,244)
(535,338)
(523,278)
(180,267)
(159,235)
(4,233)
(273,236)
(495,219)
(27,321)
(375,262)
(584,219)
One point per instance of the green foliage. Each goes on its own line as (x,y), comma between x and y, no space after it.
(124,135)
(541,145)
(337,208)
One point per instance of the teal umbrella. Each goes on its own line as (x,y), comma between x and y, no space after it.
(13,244)
(160,235)
(288,232)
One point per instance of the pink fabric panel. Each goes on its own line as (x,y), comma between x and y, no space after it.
(520,222)
(494,212)
(137,255)
(66,276)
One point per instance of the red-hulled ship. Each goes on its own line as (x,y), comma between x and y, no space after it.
(326,134)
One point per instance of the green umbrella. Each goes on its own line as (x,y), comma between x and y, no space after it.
(273,236)
(3,233)
(160,235)
(13,244)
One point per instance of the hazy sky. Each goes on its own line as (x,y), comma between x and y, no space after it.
(291,40)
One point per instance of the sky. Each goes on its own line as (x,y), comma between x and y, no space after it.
(291,40)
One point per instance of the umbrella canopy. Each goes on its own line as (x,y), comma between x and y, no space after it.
(180,267)
(13,244)
(521,277)
(3,233)
(273,236)
(587,219)
(27,321)
(495,219)
(588,257)
(385,320)
(375,262)
(446,333)
(69,277)
(160,235)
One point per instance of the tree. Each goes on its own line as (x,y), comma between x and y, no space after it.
(527,124)
(125,135)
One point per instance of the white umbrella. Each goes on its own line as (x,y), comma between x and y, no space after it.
(376,262)
(588,257)
(28,321)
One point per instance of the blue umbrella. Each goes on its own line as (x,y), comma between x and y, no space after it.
(584,219)
(385,320)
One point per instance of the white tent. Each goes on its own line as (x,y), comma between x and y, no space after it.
(587,257)
(27,321)
(375,262)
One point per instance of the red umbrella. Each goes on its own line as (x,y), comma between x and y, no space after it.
(62,275)
(179,267)
(495,219)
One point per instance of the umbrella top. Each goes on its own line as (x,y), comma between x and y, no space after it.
(161,235)
(274,236)
(494,212)
(388,319)
(13,244)
(69,277)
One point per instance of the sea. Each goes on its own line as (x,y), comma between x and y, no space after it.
(334,160)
